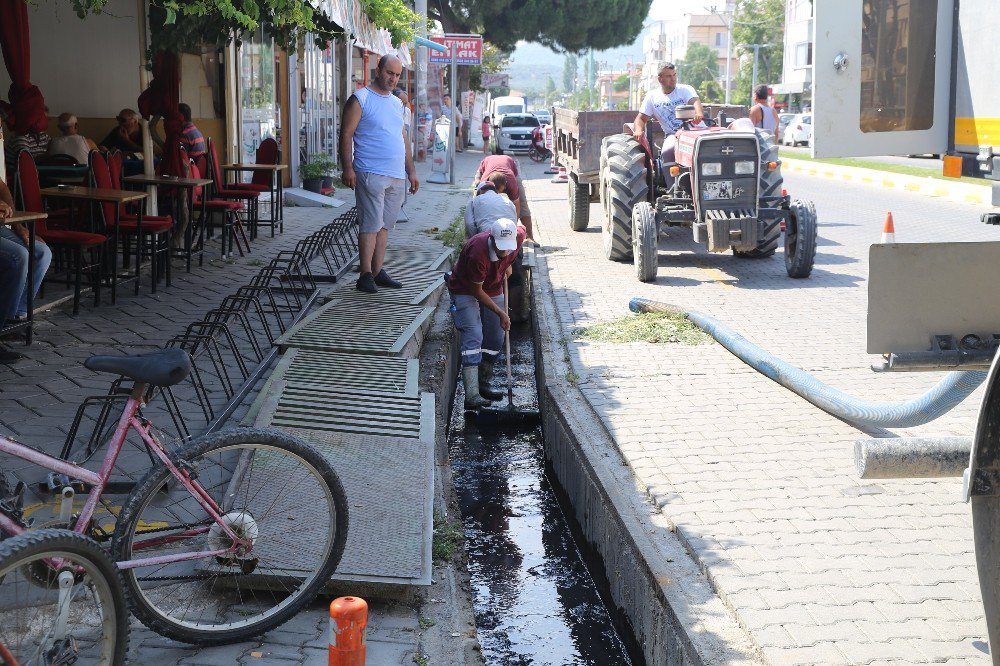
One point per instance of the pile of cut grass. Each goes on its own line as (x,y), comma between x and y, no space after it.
(654,327)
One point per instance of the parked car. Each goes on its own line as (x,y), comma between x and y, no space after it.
(543,115)
(515,132)
(798,131)
(783,120)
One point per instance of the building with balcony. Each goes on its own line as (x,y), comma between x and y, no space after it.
(794,93)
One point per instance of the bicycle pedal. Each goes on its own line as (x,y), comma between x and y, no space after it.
(55,482)
(13,506)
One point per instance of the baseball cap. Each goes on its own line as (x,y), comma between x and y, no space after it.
(504,234)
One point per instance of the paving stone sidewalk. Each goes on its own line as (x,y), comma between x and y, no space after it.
(40,394)
(816,565)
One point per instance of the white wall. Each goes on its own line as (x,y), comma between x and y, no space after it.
(89,67)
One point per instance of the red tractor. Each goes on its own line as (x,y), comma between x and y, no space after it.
(725,185)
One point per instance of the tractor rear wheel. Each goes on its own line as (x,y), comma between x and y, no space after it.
(579,204)
(770,181)
(800,239)
(626,186)
(645,241)
(770,234)
(602,175)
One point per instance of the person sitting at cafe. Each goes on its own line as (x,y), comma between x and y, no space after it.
(35,143)
(71,142)
(127,137)
(192,140)
(14,283)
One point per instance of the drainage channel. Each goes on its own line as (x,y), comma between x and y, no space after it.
(535,599)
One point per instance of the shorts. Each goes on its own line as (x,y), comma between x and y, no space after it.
(379,200)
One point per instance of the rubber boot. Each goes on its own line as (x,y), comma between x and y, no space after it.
(470,377)
(485,370)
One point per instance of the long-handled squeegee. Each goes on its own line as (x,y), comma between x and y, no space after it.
(509,415)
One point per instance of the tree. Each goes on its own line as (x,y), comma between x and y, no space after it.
(569,72)
(621,83)
(186,25)
(699,70)
(758,22)
(550,92)
(566,26)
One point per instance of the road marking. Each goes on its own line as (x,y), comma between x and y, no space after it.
(717,276)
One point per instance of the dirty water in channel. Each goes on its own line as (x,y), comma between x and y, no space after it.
(535,600)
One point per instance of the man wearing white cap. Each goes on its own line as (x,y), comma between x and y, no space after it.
(476,288)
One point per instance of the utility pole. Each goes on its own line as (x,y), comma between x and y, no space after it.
(756,48)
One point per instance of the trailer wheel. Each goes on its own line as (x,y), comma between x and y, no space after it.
(579,204)
(626,187)
(800,239)
(769,236)
(645,241)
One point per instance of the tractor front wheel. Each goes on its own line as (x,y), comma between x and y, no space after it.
(800,239)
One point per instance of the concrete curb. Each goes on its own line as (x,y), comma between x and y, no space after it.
(660,593)
(931,187)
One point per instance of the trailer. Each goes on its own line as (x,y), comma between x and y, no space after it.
(918,77)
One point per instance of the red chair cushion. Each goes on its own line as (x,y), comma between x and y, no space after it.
(252,187)
(74,238)
(237,194)
(151,224)
(217,205)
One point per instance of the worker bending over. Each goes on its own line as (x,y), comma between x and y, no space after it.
(477,305)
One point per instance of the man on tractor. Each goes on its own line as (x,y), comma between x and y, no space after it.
(662,105)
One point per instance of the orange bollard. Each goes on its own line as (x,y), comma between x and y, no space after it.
(348,620)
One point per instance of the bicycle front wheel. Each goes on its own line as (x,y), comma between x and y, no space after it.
(280,498)
(61,601)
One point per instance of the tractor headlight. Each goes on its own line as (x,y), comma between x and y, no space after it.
(711,169)
(744,168)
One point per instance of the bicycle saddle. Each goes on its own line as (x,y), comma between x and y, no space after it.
(165,367)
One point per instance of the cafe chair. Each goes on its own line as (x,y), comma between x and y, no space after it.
(229,211)
(65,243)
(152,234)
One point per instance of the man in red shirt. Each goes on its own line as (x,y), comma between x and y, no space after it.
(476,288)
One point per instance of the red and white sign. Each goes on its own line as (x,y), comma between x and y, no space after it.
(469,49)
(547,129)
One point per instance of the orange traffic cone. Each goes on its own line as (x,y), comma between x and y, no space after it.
(888,231)
(348,621)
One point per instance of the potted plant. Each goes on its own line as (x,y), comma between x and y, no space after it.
(316,172)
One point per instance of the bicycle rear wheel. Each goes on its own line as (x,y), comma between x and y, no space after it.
(276,493)
(85,622)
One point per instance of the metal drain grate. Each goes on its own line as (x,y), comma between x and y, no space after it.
(344,325)
(359,372)
(431,260)
(348,412)
(418,286)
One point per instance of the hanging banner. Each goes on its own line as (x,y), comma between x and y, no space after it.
(496,80)
(468,98)
(469,49)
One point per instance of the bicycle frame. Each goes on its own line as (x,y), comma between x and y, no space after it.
(98,481)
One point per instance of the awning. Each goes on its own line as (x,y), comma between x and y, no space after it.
(350,15)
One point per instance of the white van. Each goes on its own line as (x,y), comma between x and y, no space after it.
(501,106)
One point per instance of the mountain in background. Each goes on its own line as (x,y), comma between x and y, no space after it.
(533,64)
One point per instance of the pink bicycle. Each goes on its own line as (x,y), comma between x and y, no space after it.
(227,538)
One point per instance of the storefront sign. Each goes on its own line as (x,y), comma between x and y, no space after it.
(469,49)
(497,80)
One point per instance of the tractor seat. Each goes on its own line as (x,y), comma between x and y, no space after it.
(165,367)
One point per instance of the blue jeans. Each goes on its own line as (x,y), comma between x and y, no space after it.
(11,245)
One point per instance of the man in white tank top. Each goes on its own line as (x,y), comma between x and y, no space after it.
(375,153)
(763,115)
